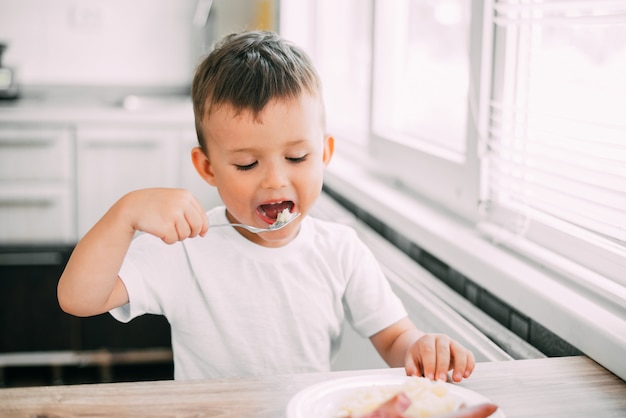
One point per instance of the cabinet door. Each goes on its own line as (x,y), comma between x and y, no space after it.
(30,316)
(36,153)
(36,213)
(113,162)
(104,331)
(36,184)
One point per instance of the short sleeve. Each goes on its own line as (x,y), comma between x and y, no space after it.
(147,273)
(370,303)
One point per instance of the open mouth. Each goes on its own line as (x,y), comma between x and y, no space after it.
(271,210)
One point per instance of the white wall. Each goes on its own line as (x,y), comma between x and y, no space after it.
(115,42)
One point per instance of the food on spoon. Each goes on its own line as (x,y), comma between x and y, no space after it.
(427,399)
(283,217)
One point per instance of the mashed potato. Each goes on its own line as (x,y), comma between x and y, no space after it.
(428,398)
(284,216)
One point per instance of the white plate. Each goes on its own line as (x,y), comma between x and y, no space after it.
(322,400)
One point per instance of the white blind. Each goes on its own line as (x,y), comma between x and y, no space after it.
(555,161)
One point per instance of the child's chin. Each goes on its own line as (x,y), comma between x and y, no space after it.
(285,234)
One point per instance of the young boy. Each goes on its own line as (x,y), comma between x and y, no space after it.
(241,303)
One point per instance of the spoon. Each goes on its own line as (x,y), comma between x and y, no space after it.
(273,227)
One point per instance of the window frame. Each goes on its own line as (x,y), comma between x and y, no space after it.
(458,176)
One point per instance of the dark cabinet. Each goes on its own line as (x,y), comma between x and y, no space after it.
(30,317)
(31,321)
(103,331)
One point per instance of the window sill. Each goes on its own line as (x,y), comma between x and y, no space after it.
(588,325)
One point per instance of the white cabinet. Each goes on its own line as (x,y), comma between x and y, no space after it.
(114,161)
(36,184)
(62,169)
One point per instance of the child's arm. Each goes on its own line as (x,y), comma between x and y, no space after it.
(431,355)
(90,284)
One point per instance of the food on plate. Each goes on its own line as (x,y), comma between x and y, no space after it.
(392,408)
(427,399)
(395,407)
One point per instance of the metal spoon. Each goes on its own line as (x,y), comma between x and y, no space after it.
(273,227)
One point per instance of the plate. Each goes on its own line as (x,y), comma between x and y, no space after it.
(322,400)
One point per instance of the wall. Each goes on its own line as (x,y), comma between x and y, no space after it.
(117,42)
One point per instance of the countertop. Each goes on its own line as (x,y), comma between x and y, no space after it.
(164,109)
(567,387)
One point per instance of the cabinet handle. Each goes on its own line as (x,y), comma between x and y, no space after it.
(40,258)
(121,144)
(26,142)
(41,202)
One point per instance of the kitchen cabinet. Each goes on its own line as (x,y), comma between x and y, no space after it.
(104,331)
(30,317)
(57,181)
(36,184)
(62,165)
(114,161)
(34,326)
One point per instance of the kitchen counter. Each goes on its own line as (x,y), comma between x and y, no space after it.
(164,109)
(567,387)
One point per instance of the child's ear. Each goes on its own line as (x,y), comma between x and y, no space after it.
(329,149)
(203,165)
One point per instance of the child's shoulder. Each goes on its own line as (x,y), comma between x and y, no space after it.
(331,225)
(332,230)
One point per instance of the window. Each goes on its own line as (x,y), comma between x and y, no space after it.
(556,160)
(507,113)
(421,73)
(337,36)
(426,55)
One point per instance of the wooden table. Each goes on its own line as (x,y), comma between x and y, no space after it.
(566,387)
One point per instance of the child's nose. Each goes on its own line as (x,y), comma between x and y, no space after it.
(274,176)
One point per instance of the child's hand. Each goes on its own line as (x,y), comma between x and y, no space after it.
(434,354)
(170,214)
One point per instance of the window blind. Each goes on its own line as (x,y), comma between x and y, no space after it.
(555,155)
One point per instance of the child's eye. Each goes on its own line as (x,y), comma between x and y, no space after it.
(246,167)
(297,159)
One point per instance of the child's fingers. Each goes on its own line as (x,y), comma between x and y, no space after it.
(187,224)
(460,359)
(203,222)
(411,366)
(443,358)
(183,228)
(197,223)
(434,355)
(471,364)
(193,221)
(168,234)
(427,355)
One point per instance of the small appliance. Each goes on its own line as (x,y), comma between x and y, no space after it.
(8,84)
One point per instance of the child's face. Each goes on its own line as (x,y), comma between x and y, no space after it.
(258,163)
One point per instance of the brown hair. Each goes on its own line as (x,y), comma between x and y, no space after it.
(246,70)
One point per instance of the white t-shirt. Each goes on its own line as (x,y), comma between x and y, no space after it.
(237,308)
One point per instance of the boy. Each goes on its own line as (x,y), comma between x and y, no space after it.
(241,303)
